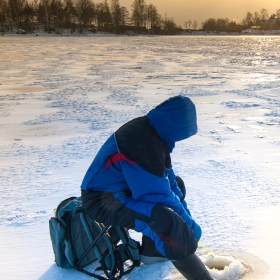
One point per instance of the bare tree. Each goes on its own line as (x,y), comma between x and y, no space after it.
(16,8)
(233,26)
(169,26)
(190,23)
(35,5)
(256,18)
(103,14)
(46,6)
(86,11)
(221,24)
(195,24)
(153,17)
(69,12)
(124,15)
(209,24)
(138,12)
(99,10)
(264,15)
(3,14)
(249,19)
(28,14)
(278,13)
(107,13)
(116,12)
(56,12)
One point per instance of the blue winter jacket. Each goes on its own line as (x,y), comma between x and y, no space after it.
(136,159)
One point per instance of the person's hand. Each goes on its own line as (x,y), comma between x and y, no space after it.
(197,232)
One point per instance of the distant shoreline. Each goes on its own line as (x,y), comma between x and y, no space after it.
(106,34)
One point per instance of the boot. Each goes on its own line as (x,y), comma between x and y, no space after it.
(192,268)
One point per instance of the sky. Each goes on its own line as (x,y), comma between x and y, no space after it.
(200,10)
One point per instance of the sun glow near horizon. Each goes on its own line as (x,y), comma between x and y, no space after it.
(200,10)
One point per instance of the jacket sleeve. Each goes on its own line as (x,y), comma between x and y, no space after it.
(153,189)
(175,188)
(174,185)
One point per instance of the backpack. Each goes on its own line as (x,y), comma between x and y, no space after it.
(78,241)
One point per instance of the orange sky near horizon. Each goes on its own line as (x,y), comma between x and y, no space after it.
(200,10)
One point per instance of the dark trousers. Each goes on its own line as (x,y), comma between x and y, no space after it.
(177,237)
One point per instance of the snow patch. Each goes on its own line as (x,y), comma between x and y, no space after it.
(225,268)
(234,104)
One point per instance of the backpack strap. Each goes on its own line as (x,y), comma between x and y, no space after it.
(94,242)
(129,249)
(112,261)
(67,237)
(93,274)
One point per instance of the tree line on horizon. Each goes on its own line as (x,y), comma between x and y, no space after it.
(83,14)
(78,15)
(260,20)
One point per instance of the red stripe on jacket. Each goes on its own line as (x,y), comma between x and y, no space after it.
(116,158)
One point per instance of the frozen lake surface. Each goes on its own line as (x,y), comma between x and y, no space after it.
(61,97)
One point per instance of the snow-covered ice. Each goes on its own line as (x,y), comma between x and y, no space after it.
(61,97)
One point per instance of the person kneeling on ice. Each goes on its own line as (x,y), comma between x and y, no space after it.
(131,184)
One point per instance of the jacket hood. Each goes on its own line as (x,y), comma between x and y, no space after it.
(174,120)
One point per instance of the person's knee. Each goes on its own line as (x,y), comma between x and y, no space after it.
(174,232)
